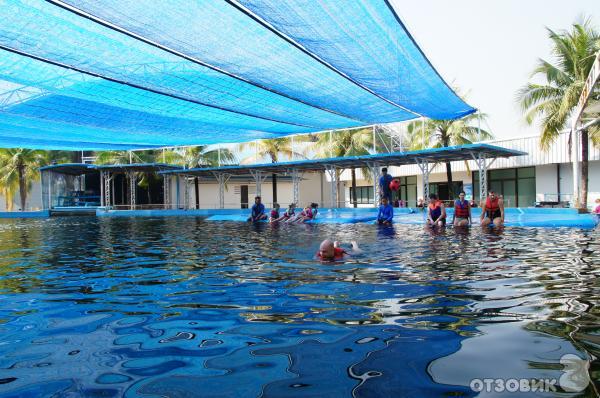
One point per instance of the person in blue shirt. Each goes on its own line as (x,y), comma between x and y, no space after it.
(258,211)
(384,185)
(386,213)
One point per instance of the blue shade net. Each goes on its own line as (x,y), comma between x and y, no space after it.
(119,74)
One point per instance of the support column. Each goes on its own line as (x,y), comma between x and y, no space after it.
(296,176)
(222,179)
(482,165)
(330,169)
(425,170)
(259,178)
(107,181)
(376,173)
(575,150)
(50,181)
(166,190)
(102,201)
(186,192)
(132,190)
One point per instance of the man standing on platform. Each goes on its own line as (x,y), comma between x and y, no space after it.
(384,185)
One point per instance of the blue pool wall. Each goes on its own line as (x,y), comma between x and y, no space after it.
(519,217)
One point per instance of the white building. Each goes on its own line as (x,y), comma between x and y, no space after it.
(522,180)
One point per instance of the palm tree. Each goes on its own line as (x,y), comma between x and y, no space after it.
(346,143)
(271,149)
(553,101)
(19,167)
(198,156)
(433,133)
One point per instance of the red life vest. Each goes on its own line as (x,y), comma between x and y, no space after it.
(435,209)
(461,209)
(492,206)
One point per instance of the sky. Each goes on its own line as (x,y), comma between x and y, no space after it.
(488,49)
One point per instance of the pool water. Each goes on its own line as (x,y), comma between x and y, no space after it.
(183,307)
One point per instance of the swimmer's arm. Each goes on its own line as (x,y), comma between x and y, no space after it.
(482,210)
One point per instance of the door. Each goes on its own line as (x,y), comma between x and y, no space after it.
(244,196)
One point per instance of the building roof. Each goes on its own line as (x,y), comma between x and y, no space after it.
(433,155)
(84,168)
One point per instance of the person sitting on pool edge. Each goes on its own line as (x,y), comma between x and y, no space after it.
(597,210)
(492,210)
(436,212)
(258,211)
(462,211)
(274,216)
(309,213)
(386,212)
(330,250)
(288,214)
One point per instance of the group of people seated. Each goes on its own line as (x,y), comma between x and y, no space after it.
(492,211)
(258,213)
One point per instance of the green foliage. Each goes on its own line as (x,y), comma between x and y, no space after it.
(553,101)
(19,167)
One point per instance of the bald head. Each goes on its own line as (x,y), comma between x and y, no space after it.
(326,249)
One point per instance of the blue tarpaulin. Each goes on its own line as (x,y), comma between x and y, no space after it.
(89,74)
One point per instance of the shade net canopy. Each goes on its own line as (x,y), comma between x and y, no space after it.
(133,74)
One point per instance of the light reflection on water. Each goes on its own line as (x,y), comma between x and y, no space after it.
(184,307)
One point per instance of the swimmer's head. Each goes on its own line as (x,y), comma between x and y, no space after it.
(384,201)
(384,170)
(461,195)
(326,250)
(492,194)
(292,206)
(257,200)
(433,198)
(314,205)
(597,200)
(276,206)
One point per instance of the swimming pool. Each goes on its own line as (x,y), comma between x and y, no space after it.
(180,306)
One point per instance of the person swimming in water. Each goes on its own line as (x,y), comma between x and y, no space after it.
(492,210)
(274,215)
(462,211)
(436,212)
(258,211)
(386,212)
(330,251)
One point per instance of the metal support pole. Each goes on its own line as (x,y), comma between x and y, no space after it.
(107,181)
(259,178)
(425,170)
(376,173)
(575,149)
(132,190)
(482,166)
(222,179)
(50,181)
(166,190)
(186,192)
(102,200)
(296,176)
(333,180)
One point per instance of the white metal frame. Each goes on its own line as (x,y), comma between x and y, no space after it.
(331,170)
(222,179)
(376,174)
(132,189)
(259,177)
(296,177)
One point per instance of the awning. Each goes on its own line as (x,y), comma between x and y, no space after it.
(88,74)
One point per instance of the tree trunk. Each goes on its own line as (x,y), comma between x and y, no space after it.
(197,189)
(274,179)
(585,143)
(354,201)
(22,186)
(450,183)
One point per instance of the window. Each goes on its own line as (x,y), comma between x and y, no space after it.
(407,191)
(517,186)
(364,195)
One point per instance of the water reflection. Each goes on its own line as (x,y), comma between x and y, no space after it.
(182,306)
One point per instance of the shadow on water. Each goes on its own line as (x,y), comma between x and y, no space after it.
(183,307)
